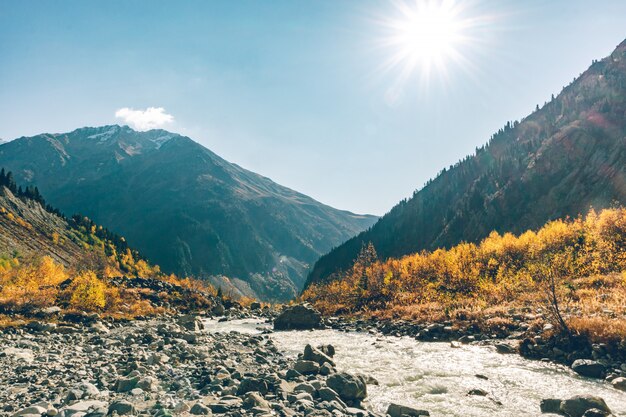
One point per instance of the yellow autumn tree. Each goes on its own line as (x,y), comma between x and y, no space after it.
(87,292)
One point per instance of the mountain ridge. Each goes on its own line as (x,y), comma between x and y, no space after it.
(556,162)
(183,206)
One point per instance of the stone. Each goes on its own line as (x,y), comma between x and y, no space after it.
(218,309)
(594,412)
(349,387)
(588,368)
(33,410)
(315,355)
(326,369)
(255,306)
(255,400)
(328,394)
(126,384)
(550,405)
(252,384)
(122,407)
(478,391)
(306,367)
(298,317)
(397,410)
(579,404)
(199,409)
(191,322)
(83,407)
(619,383)
(505,348)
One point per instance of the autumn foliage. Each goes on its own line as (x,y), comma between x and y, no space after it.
(588,255)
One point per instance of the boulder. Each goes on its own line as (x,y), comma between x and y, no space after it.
(619,383)
(397,410)
(315,355)
(579,404)
(589,368)
(349,387)
(191,322)
(32,410)
(252,384)
(126,384)
(122,408)
(199,409)
(298,317)
(218,309)
(306,367)
(255,400)
(255,306)
(550,405)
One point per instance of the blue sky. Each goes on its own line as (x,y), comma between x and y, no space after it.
(295,90)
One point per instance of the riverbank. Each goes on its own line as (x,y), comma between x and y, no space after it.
(175,365)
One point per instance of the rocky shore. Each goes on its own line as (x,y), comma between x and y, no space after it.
(171,365)
(166,366)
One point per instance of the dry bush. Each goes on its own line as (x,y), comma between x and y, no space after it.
(600,329)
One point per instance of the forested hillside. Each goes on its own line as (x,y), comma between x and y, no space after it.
(566,157)
(183,206)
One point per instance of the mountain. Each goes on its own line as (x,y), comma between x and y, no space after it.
(30,230)
(557,162)
(183,206)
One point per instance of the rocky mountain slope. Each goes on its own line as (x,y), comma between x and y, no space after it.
(557,162)
(30,230)
(183,206)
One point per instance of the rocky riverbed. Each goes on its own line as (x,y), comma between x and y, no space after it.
(175,365)
(166,366)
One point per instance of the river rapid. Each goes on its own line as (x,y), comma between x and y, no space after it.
(436,377)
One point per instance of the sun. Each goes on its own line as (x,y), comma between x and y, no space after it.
(429,36)
(429,33)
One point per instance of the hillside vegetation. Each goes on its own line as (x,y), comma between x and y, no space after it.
(583,259)
(564,158)
(183,206)
(48,260)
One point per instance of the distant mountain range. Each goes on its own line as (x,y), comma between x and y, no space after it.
(562,159)
(184,207)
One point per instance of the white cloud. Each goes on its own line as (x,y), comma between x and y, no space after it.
(150,118)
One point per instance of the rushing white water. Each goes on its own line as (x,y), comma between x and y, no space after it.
(436,377)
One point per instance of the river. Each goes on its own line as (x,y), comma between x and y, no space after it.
(436,377)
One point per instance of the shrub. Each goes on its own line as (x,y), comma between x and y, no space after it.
(87,292)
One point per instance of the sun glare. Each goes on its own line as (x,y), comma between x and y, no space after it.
(428,37)
(429,34)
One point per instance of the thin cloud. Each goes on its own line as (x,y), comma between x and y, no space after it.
(150,118)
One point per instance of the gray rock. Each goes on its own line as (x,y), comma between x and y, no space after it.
(550,405)
(619,383)
(255,400)
(315,355)
(505,348)
(349,387)
(126,384)
(478,391)
(589,368)
(191,322)
(579,404)
(298,317)
(199,409)
(397,410)
(32,410)
(306,367)
(122,407)
(252,384)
